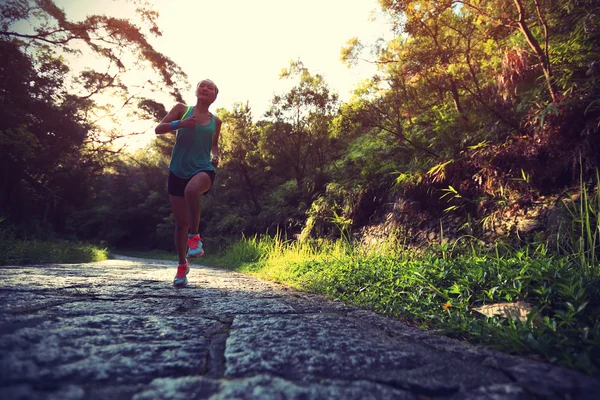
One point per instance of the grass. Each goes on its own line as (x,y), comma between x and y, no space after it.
(439,290)
(18,252)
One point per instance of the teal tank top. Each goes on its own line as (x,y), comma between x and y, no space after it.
(191,152)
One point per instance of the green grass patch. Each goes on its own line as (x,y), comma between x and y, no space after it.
(18,252)
(439,290)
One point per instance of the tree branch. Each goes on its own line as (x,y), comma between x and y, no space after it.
(37,37)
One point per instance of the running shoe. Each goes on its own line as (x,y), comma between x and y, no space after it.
(195,246)
(181,276)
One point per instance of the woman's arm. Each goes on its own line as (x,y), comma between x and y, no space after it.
(214,151)
(174,115)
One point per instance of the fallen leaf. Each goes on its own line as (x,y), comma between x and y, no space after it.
(518,310)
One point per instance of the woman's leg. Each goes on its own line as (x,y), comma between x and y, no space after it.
(198,185)
(182,225)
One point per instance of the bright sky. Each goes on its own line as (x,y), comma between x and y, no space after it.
(242,45)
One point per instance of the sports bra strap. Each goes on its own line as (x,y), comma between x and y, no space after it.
(186,112)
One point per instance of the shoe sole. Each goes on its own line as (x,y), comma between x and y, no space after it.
(196,256)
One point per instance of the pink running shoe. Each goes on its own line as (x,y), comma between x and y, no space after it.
(181,276)
(195,246)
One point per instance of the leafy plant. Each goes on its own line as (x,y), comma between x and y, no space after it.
(585,231)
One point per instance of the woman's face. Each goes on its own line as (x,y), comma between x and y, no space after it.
(206,91)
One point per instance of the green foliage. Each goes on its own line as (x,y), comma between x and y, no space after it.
(584,232)
(17,252)
(297,138)
(333,214)
(44,177)
(245,178)
(49,108)
(283,209)
(271,170)
(107,37)
(128,205)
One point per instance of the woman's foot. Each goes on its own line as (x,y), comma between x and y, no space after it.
(181,276)
(195,246)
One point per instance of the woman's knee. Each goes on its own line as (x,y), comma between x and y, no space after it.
(198,185)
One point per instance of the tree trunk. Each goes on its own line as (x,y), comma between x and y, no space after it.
(537,49)
(456,98)
(250,186)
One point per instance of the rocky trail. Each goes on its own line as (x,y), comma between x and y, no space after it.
(117,329)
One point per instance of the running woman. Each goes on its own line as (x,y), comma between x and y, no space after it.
(191,170)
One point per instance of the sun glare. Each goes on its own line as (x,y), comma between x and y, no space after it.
(243,45)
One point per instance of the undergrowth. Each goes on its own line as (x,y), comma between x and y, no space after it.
(17,251)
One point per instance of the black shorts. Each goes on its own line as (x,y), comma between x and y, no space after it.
(176,186)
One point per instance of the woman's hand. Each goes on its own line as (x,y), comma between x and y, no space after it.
(188,122)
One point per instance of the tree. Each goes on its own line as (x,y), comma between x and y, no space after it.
(524,16)
(128,204)
(119,44)
(530,18)
(298,133)
(241,157)
(155,111)
(43,172)
(49,127)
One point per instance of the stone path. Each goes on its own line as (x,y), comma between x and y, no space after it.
(118,330)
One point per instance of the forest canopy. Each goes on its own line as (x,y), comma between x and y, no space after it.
(476,106)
